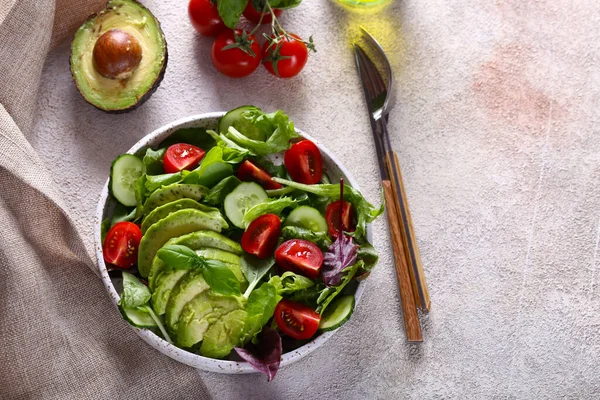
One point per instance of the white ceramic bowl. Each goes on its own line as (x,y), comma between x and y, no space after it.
(333,168)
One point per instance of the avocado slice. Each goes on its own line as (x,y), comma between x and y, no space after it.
(165,282)
(162,211)
(195,241)
(176,224)
(203,311)
(231,260)
(223,335)
(170,193)
(119,56)
(188,287)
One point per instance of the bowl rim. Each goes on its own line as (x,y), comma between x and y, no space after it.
(170,350)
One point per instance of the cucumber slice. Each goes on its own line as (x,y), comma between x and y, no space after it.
(308,218)
(125,170)
(245,196)
(138,318)
(234,118)
(337,313)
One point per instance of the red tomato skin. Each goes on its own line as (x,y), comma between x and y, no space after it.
(332,215)
(288,67)
(249,172)
(234,63)
(300,256)
(296,319)
(182,156)
(205,17)
(304,163)
(260,238)
(120,247)
(253,15)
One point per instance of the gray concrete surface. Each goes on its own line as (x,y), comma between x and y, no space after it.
(496,130)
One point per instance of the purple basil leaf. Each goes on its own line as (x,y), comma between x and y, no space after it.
(266,356)
(337,258)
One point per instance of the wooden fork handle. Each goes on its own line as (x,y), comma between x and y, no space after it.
(409,239)
(411,318)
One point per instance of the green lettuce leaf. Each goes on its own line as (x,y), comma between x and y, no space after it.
(230,11)
(260,309)
(195,136)
(276,127)
(232,153)
(211,170)
(365,211)
(216,195)
(321,239)
(153,161)
(155,182)
(272,206)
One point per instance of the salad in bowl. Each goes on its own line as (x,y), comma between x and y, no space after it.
(231,241)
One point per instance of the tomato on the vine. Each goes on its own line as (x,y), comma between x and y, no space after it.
(286,58)
(296,320)
(253,15)
(236,53)
(121,244)
(205,17)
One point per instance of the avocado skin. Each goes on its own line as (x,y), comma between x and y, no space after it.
(150,91)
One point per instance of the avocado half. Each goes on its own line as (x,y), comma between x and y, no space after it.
(126,91)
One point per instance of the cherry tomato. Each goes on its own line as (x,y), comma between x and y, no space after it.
(304,163)
(253,15)
(300,256)
(121,245)
(287,58)
(248,172)
(261,236)
(205,17)
(235,62)
(332,215)
(182,156)
(296,320)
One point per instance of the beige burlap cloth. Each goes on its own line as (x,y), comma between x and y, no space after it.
(60,336)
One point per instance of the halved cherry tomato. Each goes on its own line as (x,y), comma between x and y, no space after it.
(248,172)
(182,156)
(121,245)
(261,236)
(300,256)
(253,15)
(233,61)
(304,163)
(205,17)
(286,59)
(296,320)
(332,215)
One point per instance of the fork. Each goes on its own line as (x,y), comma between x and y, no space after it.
(409,269)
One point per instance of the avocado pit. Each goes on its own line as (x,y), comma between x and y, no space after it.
(116,54)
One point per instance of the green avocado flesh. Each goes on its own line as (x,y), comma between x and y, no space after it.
(200,313)
(161,212)
(224,335)
(175,224)
(170,193)
(115,95)
(195,241)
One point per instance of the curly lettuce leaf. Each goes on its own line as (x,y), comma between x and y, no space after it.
(232,153)
(276,127)
(153,161)
(341,254)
